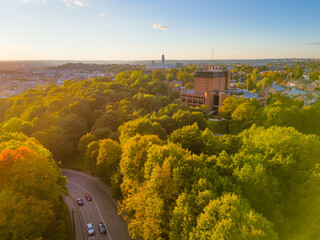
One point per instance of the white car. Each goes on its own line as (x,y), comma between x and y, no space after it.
(79,201)
(90,229)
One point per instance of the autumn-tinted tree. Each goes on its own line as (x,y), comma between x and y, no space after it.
(84,141)
(30,191)
(21,214)
(135,155)
(90,157)
(108,158)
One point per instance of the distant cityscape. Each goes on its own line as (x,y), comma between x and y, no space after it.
(18,77)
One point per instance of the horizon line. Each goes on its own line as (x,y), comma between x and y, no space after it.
(117,60)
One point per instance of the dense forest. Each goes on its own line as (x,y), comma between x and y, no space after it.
(171,175)
(108,68)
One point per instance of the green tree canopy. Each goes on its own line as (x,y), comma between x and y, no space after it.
(189,137)
(142,126)
(231,217)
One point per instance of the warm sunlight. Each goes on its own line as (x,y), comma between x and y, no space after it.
(159,120)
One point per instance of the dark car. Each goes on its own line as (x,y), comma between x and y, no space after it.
(79,201)
(102,228)
(88,196)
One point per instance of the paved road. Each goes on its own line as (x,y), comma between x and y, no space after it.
(101,209)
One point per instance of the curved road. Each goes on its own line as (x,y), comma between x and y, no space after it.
(101,209)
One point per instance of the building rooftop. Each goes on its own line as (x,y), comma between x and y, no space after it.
(211,74)
(191,91)
(241,92)
(277,88)
(295,92)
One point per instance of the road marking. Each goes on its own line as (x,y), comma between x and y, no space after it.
(95,204)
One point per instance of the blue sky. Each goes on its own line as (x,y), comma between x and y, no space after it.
(146,29)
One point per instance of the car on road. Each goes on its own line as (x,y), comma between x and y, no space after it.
(79,201)
(102,228)
(90,229)
(88,196)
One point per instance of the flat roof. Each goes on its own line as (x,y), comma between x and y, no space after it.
(241,92)
(211,74)
(191,91)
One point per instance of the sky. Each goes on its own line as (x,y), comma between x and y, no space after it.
(146,29)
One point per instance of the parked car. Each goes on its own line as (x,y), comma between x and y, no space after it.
(79,201)
(90,229)
(102,228)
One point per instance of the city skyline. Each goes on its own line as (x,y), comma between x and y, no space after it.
(144,30)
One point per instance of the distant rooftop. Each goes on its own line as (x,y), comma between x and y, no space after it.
(295,92)
(277,87)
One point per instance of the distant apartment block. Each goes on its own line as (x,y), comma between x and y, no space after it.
(212,87)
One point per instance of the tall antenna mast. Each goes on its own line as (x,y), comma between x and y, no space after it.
(211,56)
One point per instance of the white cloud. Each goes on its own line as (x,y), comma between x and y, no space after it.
(190,46)
(78,3)
(127,32)
(102,14)
(45,1)
(75,3)
(25,1)
(160,26)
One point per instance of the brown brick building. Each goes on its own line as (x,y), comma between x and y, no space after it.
(207,85)
(205,81)
(211,88)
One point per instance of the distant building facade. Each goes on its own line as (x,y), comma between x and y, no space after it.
(163,65)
